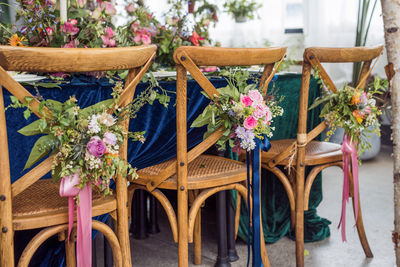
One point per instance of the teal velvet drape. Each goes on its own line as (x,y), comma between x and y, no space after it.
(275,204)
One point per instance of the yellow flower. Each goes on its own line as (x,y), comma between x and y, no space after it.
(15,40)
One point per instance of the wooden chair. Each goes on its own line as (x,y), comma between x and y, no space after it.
(196,176)
(305,151)
(31,203)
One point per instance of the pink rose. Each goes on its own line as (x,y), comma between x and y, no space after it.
(146,39)
(259,112)
(109,32)
(268,115)
(255,96)
(130,8)
(49,30)
(250,123)
(134,26)
(81,3)
(246,100)
(96,147)
(110,138)
(72,44)
(112,43)
(109,8)
(73,21)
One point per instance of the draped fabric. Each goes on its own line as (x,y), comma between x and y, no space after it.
(160,145)
(275,204)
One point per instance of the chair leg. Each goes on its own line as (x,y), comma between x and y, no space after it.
(197,239)
(232,253)
(222,258)
(361,232)
(138,226)
(70,253)
(153,227)
(108,257)
(299,223)
(292,219)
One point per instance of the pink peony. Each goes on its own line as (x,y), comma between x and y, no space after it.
(246,100)
(112,43)
(134,26)
(146,39)
(130,8)
(109,32)
(110,138)
(73,22)
(255,96)
(96,147)
(68,27)
(250,123)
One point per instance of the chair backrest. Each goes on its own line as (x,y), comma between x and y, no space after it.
(313,57)
(188,58)
(136,59)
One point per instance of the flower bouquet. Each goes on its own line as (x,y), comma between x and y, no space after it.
(84,141)
(243,113)
(354,110)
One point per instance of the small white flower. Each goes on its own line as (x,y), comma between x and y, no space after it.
(107,119)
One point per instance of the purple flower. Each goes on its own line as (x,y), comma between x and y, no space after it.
(96,147)
(110,138)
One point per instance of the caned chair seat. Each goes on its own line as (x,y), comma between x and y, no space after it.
(42,204)
(203,172)
(317,152)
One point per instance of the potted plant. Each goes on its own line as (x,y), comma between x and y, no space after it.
(241,10)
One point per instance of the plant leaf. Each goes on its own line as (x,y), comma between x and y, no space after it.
(96,107)
(40,149)
(32,129)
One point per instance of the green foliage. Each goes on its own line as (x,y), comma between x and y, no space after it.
(242,8)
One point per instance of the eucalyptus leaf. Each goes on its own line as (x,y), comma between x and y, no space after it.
(33,128)
(41,148)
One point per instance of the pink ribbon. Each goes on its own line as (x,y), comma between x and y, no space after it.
(84,217)
(349,151)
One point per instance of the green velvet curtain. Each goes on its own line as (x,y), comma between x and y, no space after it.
(275,204)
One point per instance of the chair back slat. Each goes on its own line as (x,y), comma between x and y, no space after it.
(73,60)
(347,54)
(32,176)
(221,56)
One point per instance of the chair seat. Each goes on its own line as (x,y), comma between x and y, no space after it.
(203,172)
(317,152)
(40,205)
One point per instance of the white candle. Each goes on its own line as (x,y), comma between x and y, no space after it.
(63,11)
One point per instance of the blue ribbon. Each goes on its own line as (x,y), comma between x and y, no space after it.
(254,189)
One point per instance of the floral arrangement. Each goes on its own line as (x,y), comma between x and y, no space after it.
(84,141)
(90,24)
(242,9)
(354,110)
(242,111)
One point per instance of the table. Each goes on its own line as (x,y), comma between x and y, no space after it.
(159,124)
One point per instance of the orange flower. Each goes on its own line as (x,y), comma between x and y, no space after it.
(356,99)
(358,116)
(15,40)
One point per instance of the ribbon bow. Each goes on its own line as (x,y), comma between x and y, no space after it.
(349,151)
(84,217)
(254,189)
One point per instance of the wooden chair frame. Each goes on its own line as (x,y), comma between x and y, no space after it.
(137,60)
(296,185)
(186,228)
